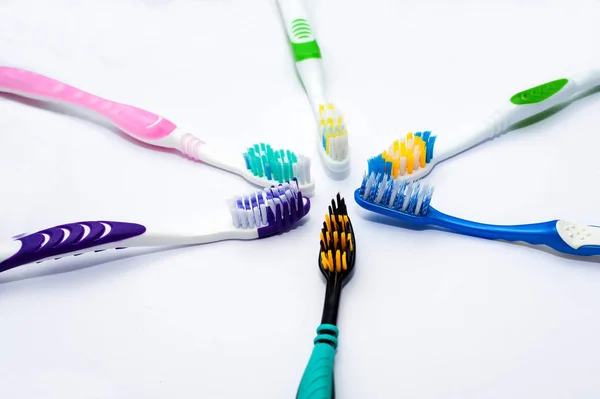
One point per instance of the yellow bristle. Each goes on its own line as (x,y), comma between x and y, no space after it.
(344,241)
(328,238)
(330,122)
(395,168)
(350,242)
(396,145)
(323,239)
(403,149)
(385,156)
(339,122)
(335,239)
(338,261)
(328,137)
(422,158)
(330,106)
(344,263)
(328,222)
(409,136)
(410,162)
(324,261)
(330,259)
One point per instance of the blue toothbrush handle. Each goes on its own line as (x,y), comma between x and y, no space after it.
(317,380)
(563,236)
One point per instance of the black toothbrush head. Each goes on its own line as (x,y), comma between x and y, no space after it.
(338,244)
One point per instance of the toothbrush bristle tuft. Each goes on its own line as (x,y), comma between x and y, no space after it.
(397,194)
(277,165)
(404,156)
(337,242)
(271,210)
(334,135)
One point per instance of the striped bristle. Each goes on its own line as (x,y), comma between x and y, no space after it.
(271,210)
(397,194)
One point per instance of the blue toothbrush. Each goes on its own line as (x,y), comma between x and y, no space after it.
(409,202)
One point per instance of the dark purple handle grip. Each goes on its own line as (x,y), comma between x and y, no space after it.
(52,242)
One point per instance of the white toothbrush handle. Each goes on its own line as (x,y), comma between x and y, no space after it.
(305,49)
(523,105)
(95,236)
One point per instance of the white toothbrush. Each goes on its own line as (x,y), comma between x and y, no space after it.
(414,156)
(332,135)
(259,214)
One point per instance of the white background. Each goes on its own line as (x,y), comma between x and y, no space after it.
(428,314)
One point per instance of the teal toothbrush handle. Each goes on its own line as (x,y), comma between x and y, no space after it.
(317,380)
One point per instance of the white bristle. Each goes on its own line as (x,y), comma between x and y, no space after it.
(402,166)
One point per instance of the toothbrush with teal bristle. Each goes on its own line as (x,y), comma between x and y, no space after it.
(412,157)
(337,256)
(332,134)
(410,202)
(260,164)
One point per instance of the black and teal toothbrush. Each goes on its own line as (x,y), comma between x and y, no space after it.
(336,262)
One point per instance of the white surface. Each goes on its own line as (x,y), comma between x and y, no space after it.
(427,315)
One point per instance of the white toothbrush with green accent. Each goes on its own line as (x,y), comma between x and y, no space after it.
(332,135)
(414,156)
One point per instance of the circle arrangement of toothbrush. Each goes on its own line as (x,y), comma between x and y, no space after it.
(394,184)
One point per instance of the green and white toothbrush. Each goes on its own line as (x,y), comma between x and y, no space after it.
(332,135)
(413,156)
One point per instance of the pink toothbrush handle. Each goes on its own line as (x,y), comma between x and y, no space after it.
(136,122)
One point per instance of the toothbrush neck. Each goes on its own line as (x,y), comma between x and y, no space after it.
(313,79)
(332,301)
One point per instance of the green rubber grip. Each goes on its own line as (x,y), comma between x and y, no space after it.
(539,93)
(306,50)
(317,380)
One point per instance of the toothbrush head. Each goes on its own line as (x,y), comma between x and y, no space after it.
(409,157)
(333,138)
(399,198)
(270,211)
(279,166)
(338,246)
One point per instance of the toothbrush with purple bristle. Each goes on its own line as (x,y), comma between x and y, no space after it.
(259,214)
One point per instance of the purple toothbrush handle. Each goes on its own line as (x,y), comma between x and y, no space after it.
(68,238)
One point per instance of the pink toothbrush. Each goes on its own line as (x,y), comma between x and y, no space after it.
(260,164)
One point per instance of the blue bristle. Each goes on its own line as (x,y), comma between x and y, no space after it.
(429,152)
(363,185)
(400,196)
(418,134)
(247,160)
(268,171)
(387,168)
(426,135)
(414,198)
(389,187)
(426,200)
